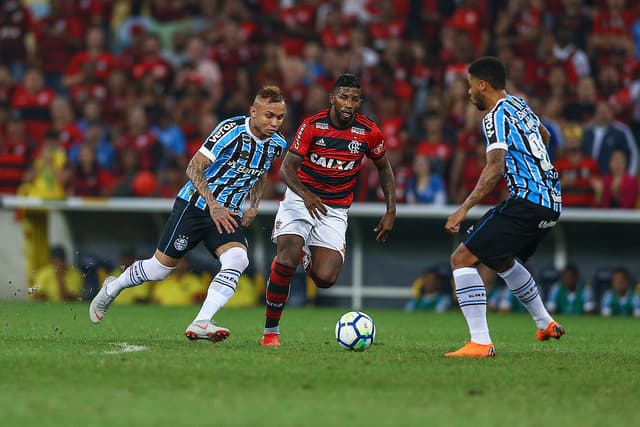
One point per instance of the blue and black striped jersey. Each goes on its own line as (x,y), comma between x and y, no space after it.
(238,159)
(512,126)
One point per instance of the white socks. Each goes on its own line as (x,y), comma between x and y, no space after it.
(519,280)
(233,262)
(472,299)
(137,273)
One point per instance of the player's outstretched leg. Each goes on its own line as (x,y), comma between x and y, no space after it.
(101,302)
(521,283)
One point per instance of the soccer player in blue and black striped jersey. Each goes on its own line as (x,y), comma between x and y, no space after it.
(507,235)
(231,164)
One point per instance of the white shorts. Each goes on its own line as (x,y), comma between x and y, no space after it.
(328,232)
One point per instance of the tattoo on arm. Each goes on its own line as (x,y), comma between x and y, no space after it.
(490,176)
(387,182)
(255,194)
(195,172)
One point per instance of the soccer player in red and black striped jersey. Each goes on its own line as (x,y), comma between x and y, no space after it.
(320,172)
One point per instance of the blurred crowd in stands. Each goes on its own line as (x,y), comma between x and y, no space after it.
(112,97)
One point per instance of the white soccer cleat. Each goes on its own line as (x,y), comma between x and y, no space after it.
(101,302)
(206,330)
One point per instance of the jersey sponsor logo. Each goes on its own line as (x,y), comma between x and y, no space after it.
(359,131)
(296,142)
(488,125)
(233,164)
(181,243)
(329,163)
(224,129)
(321,142)
(354,147)
(323,126)
(378,149)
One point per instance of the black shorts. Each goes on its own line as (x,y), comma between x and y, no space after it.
(512,229)
(188,225)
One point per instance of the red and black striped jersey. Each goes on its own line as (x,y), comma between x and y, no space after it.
(332,157)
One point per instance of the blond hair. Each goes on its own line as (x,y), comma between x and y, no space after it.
(270,94)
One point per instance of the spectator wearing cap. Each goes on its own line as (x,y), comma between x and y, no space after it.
(57,281)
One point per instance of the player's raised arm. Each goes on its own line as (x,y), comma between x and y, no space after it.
(388,185)
(220,215)
(289,175)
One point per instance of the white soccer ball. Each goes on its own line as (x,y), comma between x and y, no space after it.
(355,330)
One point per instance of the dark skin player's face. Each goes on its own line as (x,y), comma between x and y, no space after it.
(476,92)
(345,102)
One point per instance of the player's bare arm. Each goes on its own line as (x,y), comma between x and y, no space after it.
(544,132)
(289,175)
(388,185)
(490,176)
(220,215)
(255,195)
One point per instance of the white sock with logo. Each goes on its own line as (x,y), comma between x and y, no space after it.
(519,280)
(472,299)
(233,262)
(137,273)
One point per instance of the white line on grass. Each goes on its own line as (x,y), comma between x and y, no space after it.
(126,348)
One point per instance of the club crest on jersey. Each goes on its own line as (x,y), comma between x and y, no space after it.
(325,162)
(354,147)
(359,131)
(323,126)
(181,243)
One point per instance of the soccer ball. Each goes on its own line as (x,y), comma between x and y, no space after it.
(355,330)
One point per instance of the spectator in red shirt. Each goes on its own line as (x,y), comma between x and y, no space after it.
(619,187)
(102,62)
(611,30)
(579,174)
(15,155)
(152,63)
(59,36)
(139,139)
(16,23)
(86,177)
(32,99)
(474,163)
(434,144)
(63,121)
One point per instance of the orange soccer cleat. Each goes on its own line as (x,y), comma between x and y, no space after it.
(472,349)
(270,340)
(553,330)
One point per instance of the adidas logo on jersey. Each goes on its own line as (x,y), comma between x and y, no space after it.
(321,142)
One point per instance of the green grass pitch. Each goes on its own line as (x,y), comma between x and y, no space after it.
(57,369)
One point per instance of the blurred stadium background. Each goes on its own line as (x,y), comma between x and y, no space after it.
(102,103)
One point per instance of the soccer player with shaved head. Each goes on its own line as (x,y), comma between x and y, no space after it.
(231,165)
(320,172)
